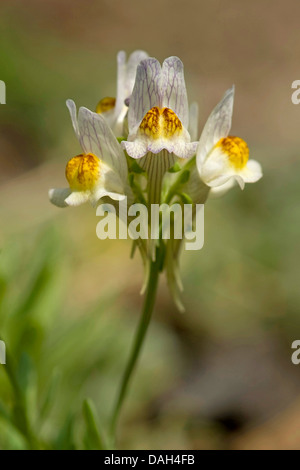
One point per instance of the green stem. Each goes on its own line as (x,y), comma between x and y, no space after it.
(178,182)
(138,341)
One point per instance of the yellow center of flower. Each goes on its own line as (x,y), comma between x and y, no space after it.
(160,122)
(236,150)
(82,172)
(106,104)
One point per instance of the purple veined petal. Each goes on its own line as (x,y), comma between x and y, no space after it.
(134,59)
(96,137)
(126,75)
(121,80)
(125,83)
(217,126)
(174,94)
(146,92)
(73,113)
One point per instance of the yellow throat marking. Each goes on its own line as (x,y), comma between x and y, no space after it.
(82,172)
(106,104)
(236,150)
(160,122)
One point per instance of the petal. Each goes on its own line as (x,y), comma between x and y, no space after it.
(109,184)
(146,92)
(111,181)
(136,149)
(252,172)
(58,196)
(121,78)
(179,147)
(223,189)
(115,116)
(223,179)
(217,170)
(217,126)
(126,76)
(240,181)
(101,192)
(134,59)
(72,108)
(125,82)
(96,137)
(116,196)
(77,198)
(197,190)
(174,95)
(112,121)
(142,145)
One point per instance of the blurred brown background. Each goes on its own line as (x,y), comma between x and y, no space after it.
(219,376)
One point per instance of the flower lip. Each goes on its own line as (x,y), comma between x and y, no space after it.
(83,171)
(236,150)
(160,122)
(106,104)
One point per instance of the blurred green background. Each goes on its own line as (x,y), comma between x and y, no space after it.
(219,376)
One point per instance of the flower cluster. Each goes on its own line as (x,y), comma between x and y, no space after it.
(144,145)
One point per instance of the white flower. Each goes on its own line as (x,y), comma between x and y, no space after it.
(158,115)
(101,170)
(223,160)
(114,110)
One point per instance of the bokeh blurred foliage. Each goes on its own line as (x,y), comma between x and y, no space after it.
(56,357)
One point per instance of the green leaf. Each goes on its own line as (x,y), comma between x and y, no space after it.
(175,168)
(25,371)
(20,419)
(3,412)
(131,179)
(93,439)
(65,439)
(51,393)
(135,168)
